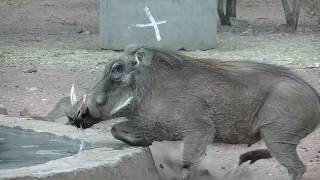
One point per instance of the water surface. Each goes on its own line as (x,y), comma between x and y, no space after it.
(19,148)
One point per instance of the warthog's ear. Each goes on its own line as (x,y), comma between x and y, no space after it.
(139,56)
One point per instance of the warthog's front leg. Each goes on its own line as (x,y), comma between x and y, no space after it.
(132,133)
(195,145)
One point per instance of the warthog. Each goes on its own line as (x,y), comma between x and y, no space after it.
(168,96)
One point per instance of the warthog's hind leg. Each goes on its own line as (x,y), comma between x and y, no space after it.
(282,145)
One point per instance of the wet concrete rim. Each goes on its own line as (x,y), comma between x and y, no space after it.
(84,160)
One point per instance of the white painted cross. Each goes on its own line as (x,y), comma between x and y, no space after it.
(153,23)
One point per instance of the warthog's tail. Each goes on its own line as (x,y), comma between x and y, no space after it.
(254,156)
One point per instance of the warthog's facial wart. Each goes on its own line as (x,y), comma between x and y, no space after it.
(121,105)
(137,60)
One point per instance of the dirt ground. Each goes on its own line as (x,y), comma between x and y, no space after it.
(46,45)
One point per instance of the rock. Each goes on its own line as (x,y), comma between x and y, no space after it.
(239,173)
(86,32)
(57,114)
(303,29)
(248,32)
(37,117)
(161,166)
(62,120)
(74,69)
(46,4)
(80,31)
(315,65)
(24,112)
(105,126)
(32,89)
(238,22)
(33,69)
(3,110)
(300,29)
(204,172)
(60,109)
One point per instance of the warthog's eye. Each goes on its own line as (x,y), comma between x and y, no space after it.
(117,71)
(117,68)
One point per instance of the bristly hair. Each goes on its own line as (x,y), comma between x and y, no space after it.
(132,49)
(171,60)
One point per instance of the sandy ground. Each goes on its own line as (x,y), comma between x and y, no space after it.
(57,40)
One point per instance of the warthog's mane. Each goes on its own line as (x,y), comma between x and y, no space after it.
(164,61)
(173,60)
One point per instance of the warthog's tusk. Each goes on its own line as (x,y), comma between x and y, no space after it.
(121,105)
(73,96)
(83,106)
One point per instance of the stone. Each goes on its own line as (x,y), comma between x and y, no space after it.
(105,126)
(33,69)
(32,89)
(60,109)
(248,32)
(62,120)
(238,22)
(315,65)
(3,110)
(24,112)
(166,24)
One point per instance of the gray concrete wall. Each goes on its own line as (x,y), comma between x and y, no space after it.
(114,160)
(188,24)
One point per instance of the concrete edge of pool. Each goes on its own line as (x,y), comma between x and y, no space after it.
(98,163)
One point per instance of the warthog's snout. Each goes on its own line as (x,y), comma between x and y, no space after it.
(79,114)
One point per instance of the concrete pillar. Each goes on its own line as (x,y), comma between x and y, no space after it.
(168,24)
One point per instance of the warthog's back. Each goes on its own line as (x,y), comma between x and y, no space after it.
(229,93)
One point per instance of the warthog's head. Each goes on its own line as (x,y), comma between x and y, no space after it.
(124,83)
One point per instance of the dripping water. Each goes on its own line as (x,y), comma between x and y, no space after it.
(82,136)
